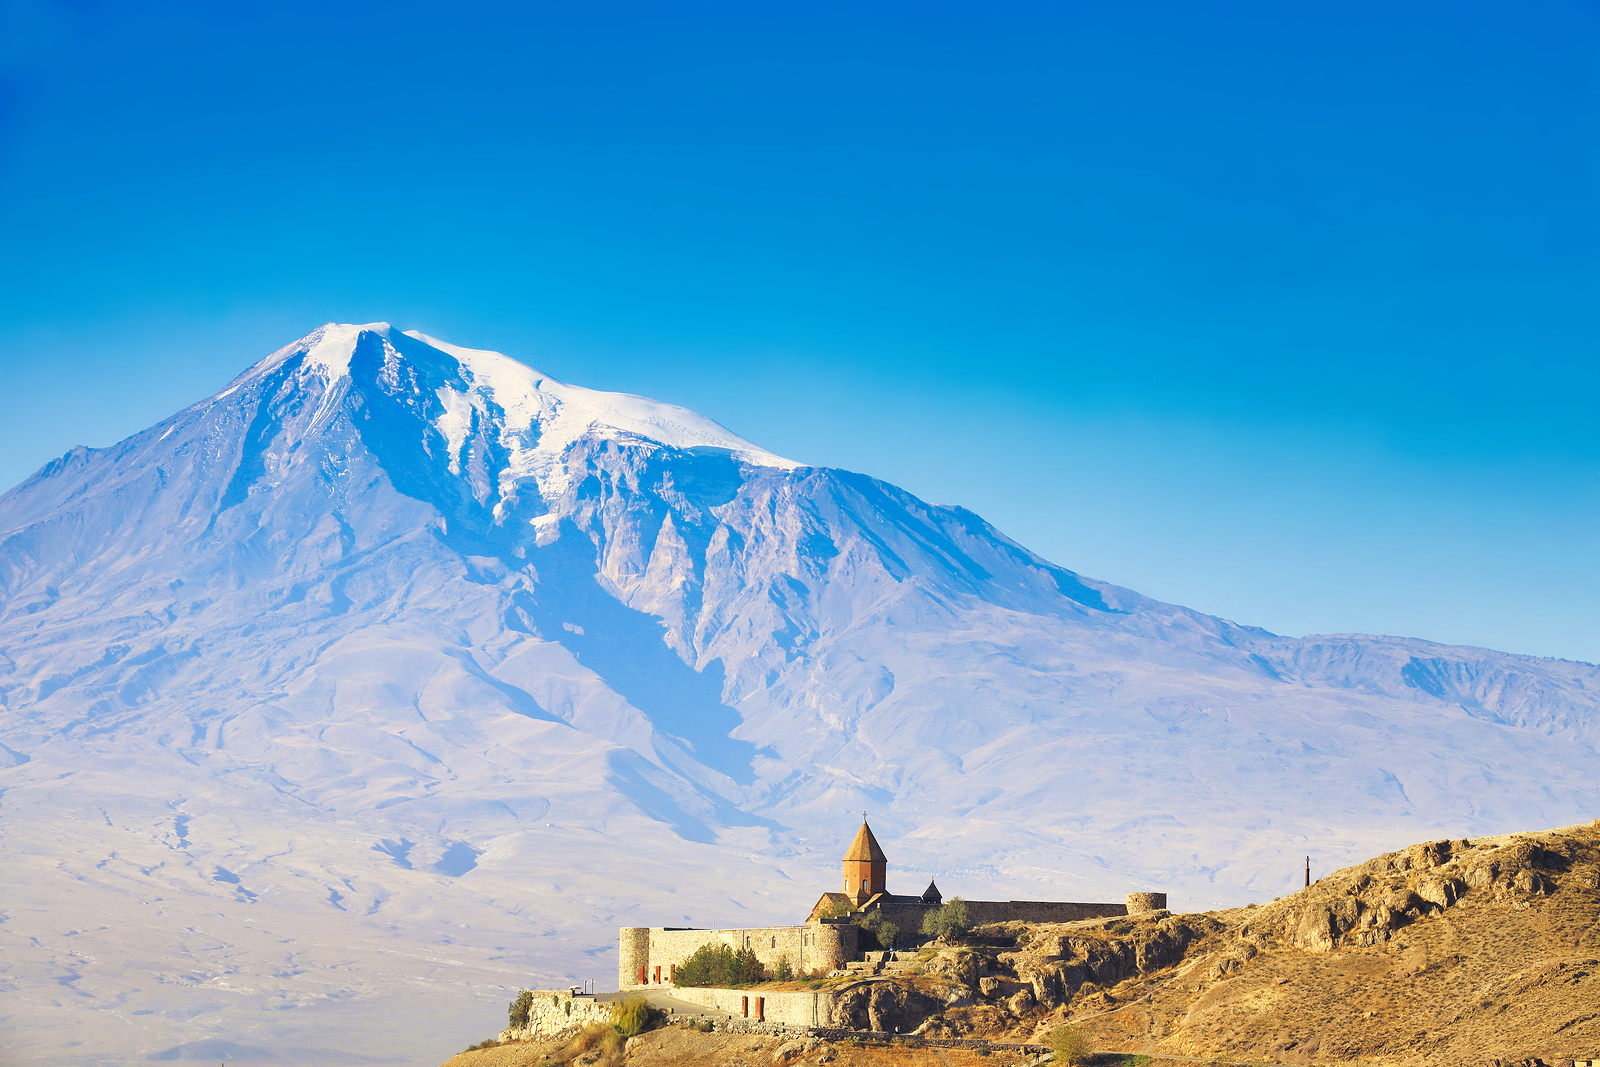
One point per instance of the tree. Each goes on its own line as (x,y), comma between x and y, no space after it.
(949,921)
(517,1011)
(1070,1044)
(720,966)
(747,970)
(879,927)
(784,972)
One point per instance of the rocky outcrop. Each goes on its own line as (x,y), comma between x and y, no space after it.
(1364,905)
(887,1007)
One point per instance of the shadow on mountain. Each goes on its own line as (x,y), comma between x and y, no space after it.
(457,860)
(627,649)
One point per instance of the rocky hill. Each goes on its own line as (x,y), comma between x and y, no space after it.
(1451,951)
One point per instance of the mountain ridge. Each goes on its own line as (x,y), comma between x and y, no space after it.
(388,662)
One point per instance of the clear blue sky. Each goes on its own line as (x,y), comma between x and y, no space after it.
(1289,312)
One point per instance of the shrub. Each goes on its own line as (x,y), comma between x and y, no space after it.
(1118,928)
(784,973)
(517,1011)
(882,930)
(586,1039)
(630,1016)
(949,921)
(488,1042)
(719,965)
(1070,1044)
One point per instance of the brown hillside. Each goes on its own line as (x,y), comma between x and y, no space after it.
(1447,952)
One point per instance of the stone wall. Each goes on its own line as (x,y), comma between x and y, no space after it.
(1039,911)
(801,1008)
(554,1011)
(646,957)
(908,917)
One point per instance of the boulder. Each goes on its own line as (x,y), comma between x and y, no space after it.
(789,1050)
(1528,882)
(1441,892)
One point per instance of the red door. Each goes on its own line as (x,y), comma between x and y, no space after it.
(641,974)
(658,976)
(761,1008)
(744,1007)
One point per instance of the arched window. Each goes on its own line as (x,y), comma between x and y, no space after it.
(774,942)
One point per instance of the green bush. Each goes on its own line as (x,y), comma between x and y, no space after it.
(949,921)
(1118,928)
(630,1016)
(517,1011)
(719,966)
(1070,1044)
(882,930)
(488,1042)
(784,972)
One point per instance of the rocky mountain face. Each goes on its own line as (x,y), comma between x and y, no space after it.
(397,672)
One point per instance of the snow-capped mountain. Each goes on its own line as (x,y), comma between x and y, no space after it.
(396,675)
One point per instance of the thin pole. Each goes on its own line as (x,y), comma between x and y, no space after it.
(1308,872)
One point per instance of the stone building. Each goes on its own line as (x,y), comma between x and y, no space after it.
(829,937)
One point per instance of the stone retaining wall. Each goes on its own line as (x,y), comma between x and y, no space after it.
(554,1011)
(796,1008)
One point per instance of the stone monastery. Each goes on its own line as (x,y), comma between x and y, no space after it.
(828,938)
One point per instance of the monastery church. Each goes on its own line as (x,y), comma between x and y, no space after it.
(829,938)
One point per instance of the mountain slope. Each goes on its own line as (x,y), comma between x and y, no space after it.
(431,657)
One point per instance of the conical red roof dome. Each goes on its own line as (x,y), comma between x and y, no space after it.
(865,846)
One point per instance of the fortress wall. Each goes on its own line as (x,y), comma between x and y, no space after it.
(908,917)
(787,1007)
(1038,911)
(805,947)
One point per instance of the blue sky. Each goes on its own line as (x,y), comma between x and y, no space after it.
(1286,312)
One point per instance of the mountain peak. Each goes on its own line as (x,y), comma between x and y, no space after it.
(524,405)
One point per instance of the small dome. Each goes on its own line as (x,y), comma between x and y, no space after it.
(931,895)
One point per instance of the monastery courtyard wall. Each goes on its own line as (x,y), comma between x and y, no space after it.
(647,956)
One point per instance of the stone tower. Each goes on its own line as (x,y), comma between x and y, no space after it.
(865,866)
